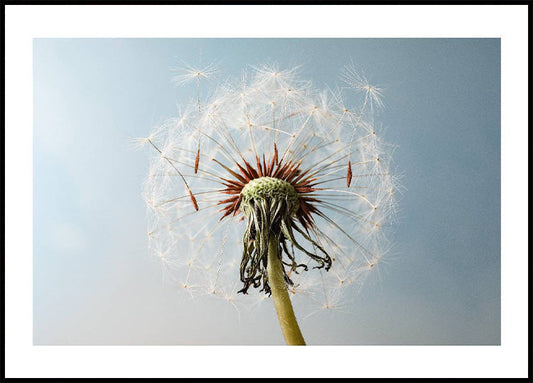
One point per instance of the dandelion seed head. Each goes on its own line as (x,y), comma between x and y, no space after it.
(270,154)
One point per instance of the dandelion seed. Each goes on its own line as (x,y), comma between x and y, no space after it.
(349,174)
(188,73)
(269,205)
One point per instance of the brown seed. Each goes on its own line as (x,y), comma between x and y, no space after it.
(239,177)
(236,205)
(193,200)
(349,174)
(231,199)
(247,173)
(259,169)
(270,167)
(197,160)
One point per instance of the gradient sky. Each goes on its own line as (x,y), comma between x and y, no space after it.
(94,280)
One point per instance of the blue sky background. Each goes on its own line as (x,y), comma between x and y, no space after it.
(94,281)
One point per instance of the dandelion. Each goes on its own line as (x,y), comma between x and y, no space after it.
(271,187)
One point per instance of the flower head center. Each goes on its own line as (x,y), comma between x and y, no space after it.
(275,198)
(269,189)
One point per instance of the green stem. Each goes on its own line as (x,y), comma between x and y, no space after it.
(280,295)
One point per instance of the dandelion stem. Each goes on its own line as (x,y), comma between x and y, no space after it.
(280,295)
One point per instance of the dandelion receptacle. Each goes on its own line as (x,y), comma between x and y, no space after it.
(271,189)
